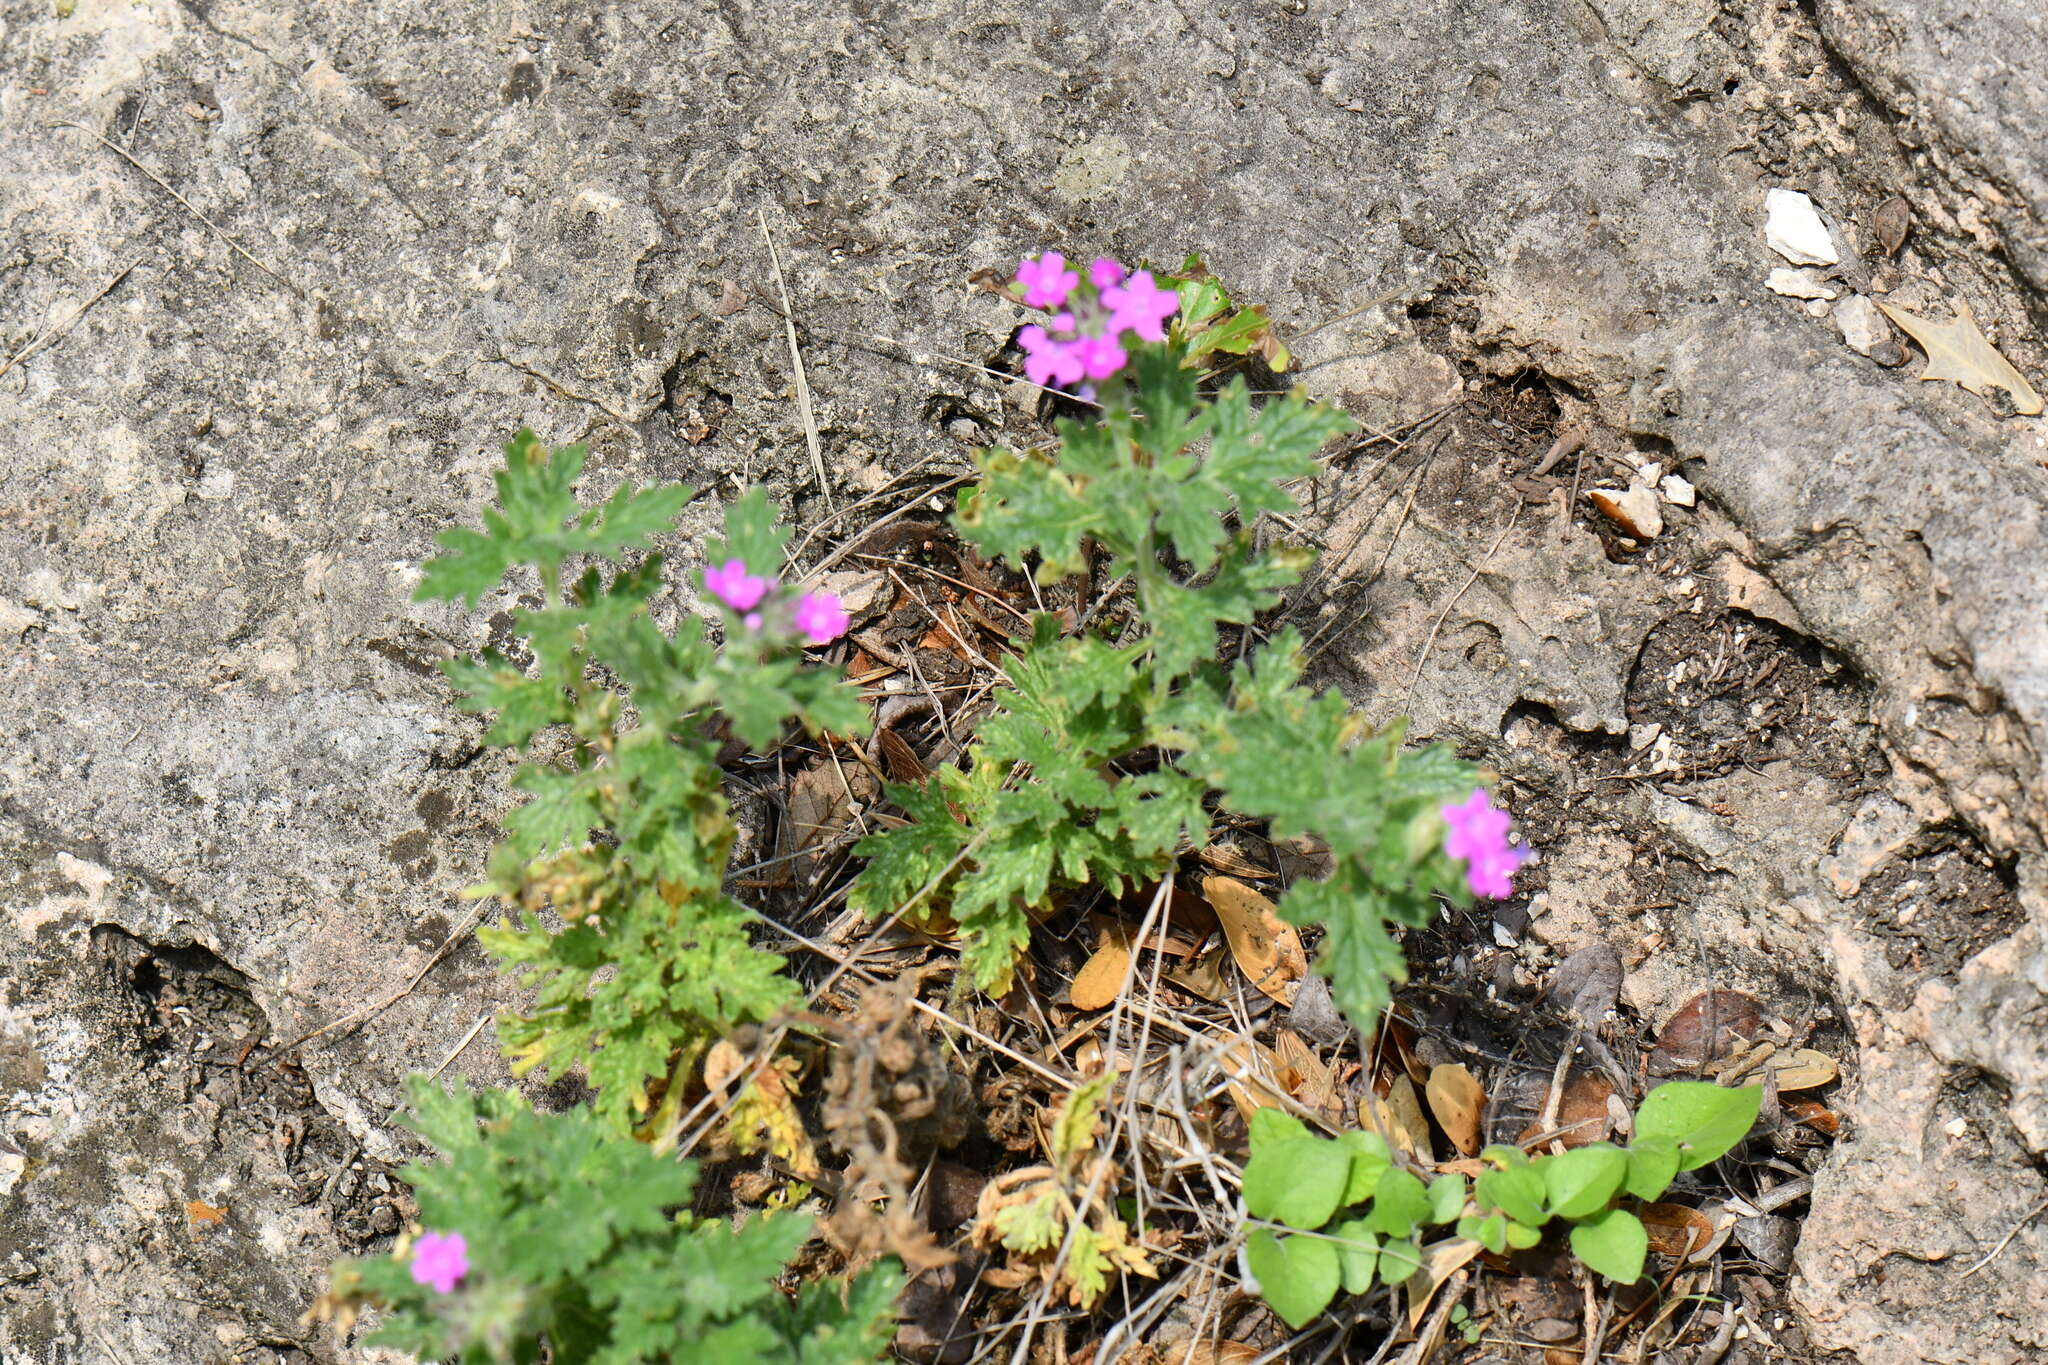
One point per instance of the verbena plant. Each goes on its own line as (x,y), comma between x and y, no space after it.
(573,1236)
(1103,760)
(1101,764)
(1343,1214)
(653,961)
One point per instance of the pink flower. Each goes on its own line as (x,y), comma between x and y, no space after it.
(1479,839)
(440,1259)
(1047,361)
(1099,357)
(1046,281)
(1104,272)
(735,587)
(820,618)
(1141,306)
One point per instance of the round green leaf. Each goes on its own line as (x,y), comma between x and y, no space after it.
(1398,1204)
(1702,1118)
(1369,1161)
(1358,1251)
(1297,1181)
(1399,1260)
(1516,1191)
(1613,1244)
(1521,1236)
(1651,1164)
(1270,1125)
(1583,1180)
(1446,1198)
(1490,1232)
(1298,1277)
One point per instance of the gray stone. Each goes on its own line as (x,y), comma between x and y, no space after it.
(221,731)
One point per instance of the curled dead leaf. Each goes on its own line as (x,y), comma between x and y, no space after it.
(1265,947)
(1584,1114)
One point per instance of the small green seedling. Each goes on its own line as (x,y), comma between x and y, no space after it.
(1333,1212)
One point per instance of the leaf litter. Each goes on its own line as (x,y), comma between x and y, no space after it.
(959,1133)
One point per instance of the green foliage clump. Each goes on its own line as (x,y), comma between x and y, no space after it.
(1097,766)
(582,1242)
(626,834)
(1339,1211)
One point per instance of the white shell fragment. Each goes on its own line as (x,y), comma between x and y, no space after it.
(1863,327)
(1799,284)
(1633,510)
(1794,230)
(1678,491)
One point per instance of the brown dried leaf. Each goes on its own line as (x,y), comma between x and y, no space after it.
(1457,1099)
(900,760)
(1204,976)
(1254,1071)
(1676,1230)
(1814,1115)
(1101,978)
(1228,857)
(1399,1118)
(1266,948)
(1957,350)
(1707,1029)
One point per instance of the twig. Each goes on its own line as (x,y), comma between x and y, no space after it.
(1477,569)
(796,357)
(461,1047)
(118,150)
(1993,1255)
(357,1016)
(56,333)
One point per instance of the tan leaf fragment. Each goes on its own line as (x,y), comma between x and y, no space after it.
(1101,978)
(1457,1099)
(1440,1261)
(1266,948)
(1957,350)
(1398,1118)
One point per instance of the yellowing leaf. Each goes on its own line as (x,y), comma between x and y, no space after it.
(1957,350)
(1267,949)
(1073,1131)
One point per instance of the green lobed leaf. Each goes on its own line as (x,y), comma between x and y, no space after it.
(1517,1191)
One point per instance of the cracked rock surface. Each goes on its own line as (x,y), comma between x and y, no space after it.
(235,798)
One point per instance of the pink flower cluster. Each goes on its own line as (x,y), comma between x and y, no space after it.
(440,1260)
(1479,839)
(1085,338)
(816,616)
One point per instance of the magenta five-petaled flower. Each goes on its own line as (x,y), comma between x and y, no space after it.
(820,618)
(1085,339)
(731,584)
(1479,839)
(1141,306)
(1046,281)
(440,1260)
